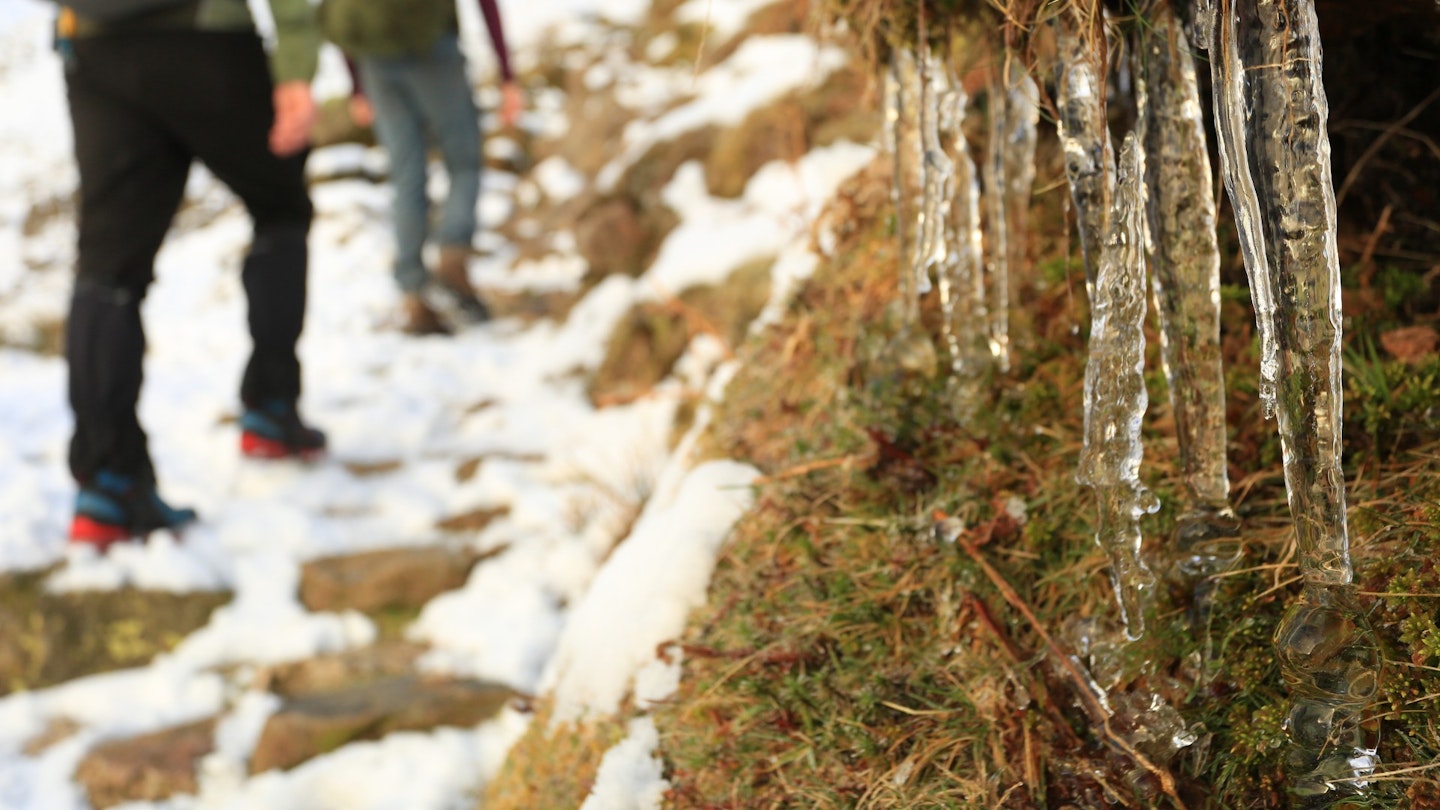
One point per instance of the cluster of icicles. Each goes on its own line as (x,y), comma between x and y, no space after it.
(1154,208)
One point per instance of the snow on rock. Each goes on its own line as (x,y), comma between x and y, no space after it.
(645,591)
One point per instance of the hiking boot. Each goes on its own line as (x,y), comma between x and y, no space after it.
(420,319)
(453,288)
(274,430)
(112,508)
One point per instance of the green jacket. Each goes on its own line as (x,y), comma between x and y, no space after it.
(297,38)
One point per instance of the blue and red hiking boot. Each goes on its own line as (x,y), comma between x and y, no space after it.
(274,430)
(111,508)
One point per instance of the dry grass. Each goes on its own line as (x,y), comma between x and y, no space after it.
(552,766)
(846,659)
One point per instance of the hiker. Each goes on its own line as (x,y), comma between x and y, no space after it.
(412,86)
(153,85)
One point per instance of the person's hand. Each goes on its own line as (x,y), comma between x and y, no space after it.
(362,112)
(512,101)
(294,118)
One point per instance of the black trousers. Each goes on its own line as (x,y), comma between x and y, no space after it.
(144,105)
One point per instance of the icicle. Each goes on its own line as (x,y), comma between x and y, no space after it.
(1009,177)
(901,109)
(1278,172)
(1228,79)
(909,350)
(890,131)
(937,176)
(1115,396)
(950,114)
(1084,137)
(1185,258)
(1271,113)
(995,224)
(966,317)
(1022,112)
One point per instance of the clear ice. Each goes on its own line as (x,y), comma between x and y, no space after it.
(910,350)
(1084,137)
(1115,396)
(1009,178)
(937,177)
(1271,114)
(961,280)
(1185,265)
(1235,133)
(902,139)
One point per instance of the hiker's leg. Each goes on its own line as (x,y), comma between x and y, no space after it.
(401,130)
(233,142)
(443,91)
(132,177)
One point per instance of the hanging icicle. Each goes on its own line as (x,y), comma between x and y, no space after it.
(965,316)
(1022,111)
(1115,397)
(996,236)
(1271,112)
(1084,135)
(902,106)
(910,349)
(1009,178)
(937,177)
(1185,260)
(1228,78)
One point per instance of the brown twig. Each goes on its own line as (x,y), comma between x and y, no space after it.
(807,467)
(1379,142)
(1366,255)
(1089,700)
(983,615)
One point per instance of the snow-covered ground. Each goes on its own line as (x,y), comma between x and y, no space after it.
(556,612)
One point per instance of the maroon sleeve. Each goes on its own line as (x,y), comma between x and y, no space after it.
(357,88)
(491,12)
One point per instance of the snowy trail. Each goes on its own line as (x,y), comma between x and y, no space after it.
(509,393)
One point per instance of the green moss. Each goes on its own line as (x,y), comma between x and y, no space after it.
(53,637)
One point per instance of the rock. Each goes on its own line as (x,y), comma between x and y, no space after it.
(152,767)
(329,673)
(380,580)
(47,638)
(318,723)
(609,236)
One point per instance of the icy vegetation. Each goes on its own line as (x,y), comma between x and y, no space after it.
(1157,208)
(1271,113)
(1115,397)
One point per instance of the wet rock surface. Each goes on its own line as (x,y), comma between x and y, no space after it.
(151,767)
(319,722)
(380,580)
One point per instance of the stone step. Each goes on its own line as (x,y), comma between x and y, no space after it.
(389,579)
(151,767)
(319,722)
(47,638)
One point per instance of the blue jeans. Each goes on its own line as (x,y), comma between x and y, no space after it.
(417,99)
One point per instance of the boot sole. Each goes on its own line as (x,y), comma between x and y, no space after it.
(91,532)
(253,445)
(88,531)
